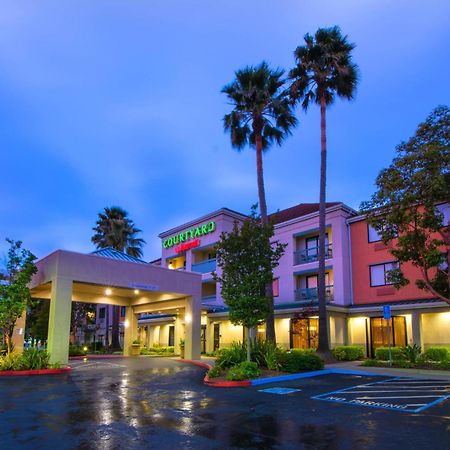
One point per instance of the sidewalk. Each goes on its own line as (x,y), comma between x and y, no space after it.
(412,373)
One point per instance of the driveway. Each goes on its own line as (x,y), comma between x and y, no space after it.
(139,403)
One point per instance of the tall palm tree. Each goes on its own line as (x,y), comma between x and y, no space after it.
(324,69)
(262,114)
(115,229)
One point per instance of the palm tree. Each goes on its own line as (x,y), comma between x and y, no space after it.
(324,69)
(115,229)
(262,114)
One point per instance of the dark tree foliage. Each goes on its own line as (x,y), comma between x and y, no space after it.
(247,256)
(115,229)
(324,69)
(407,207)
(262,115)
(14,294)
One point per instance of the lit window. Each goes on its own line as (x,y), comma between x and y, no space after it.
(379,273)
(276,287)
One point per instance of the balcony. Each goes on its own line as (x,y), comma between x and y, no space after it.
(206,266)
(310,294)
(311,254)
(209,298)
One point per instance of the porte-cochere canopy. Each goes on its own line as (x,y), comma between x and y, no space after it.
(64,277)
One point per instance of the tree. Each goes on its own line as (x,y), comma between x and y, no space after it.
(324,69)
(262,115)
(405,206)
(14,294)
(37,319)
(247,259)
(115,229)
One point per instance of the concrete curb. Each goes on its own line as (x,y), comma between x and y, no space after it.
(36,372)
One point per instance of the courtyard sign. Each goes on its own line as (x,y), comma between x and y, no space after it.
(193,233)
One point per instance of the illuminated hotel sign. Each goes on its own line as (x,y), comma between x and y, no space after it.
(192,235)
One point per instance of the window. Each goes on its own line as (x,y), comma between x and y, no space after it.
(374,235)
(444,209)
(123,311)
(276,287)
(101,313)
(379,272)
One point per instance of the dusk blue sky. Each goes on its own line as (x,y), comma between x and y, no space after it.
(118,103)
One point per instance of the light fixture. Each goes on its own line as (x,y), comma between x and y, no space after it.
(136,291)
(108,291)
(187,318)
(171,265)
(85,349)
(126,323)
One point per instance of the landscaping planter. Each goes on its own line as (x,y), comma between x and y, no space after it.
(135,350)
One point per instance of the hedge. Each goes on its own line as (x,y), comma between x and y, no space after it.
(382,354)
(348,352)
(300,360)
(438,354)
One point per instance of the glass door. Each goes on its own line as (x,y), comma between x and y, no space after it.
(379,332)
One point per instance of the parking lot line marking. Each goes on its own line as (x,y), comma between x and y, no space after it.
(436,391)
(402,396)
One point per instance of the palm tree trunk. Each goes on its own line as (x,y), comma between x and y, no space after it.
(270,321)
(324,347)
(115,342)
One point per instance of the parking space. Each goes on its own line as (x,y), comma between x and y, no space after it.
(399,394)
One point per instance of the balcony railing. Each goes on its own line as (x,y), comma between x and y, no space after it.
(308,255)
(204,266)
(209,298)
(310,294)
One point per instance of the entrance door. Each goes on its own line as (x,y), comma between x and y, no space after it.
(304,333)
(216,336)
(380,336)
(171,336)
(203,339)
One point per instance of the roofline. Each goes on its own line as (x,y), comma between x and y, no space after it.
(119,261)
(330,209)
(225,211)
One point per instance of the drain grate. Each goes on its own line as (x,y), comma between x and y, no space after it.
(279,390)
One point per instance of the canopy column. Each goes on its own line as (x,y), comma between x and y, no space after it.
(59,320)
(131,330)
(192,328)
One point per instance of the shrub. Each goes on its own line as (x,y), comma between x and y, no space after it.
(370,363)
(382,354)
(412,352)
(229,357)
(266,354)
(34,359)
(438,354)
(214,372)
(13,361)
(74,350)
(348,352)
(298,360)
(244,371)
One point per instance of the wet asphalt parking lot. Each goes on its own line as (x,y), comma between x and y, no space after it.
(140,403)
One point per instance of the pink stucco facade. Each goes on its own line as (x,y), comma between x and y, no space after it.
(297,268)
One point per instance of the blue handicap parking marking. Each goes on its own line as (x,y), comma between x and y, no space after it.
(279,390)
(399,394)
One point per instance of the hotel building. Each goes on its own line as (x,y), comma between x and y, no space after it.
(357,287)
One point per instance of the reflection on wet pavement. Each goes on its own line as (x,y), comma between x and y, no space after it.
(160,403)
